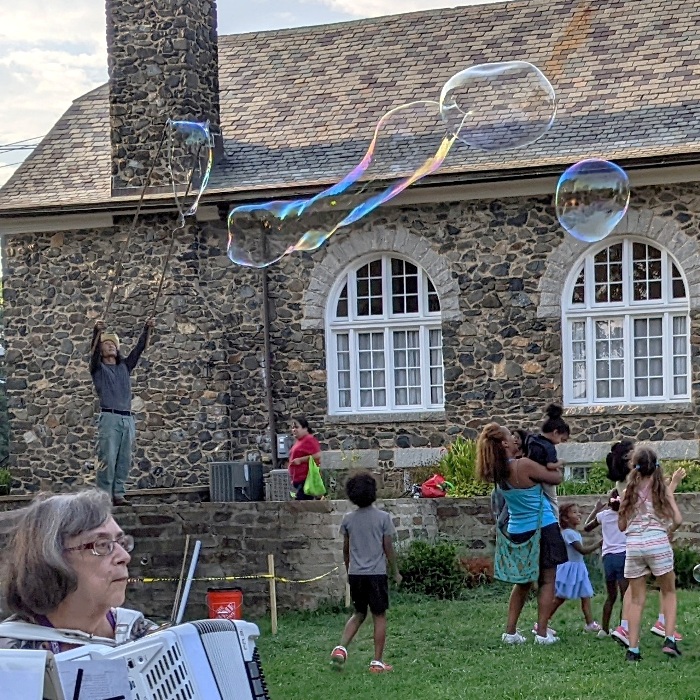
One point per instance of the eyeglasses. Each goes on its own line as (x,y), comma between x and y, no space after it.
(104,547)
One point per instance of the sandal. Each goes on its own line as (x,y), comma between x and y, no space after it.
(379,667)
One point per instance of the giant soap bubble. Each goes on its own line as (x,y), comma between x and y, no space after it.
(591,199)
(190,159)
(497,106)
(492,107)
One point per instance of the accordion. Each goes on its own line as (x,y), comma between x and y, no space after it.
(203,660)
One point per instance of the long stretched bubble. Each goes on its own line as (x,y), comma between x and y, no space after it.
(491,107)
(190,160)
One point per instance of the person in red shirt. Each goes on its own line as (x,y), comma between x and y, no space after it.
(305,446)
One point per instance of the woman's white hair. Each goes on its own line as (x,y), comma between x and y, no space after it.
(36,575)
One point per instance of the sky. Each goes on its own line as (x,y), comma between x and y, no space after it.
(53,51)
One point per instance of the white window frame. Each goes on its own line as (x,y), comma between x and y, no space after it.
(627,311)
(423,321)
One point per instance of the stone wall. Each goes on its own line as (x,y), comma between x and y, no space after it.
(200,389)
(304,538)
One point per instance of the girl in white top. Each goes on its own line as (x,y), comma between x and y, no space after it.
(614,544)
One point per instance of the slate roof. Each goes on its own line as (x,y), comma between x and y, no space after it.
(298,106)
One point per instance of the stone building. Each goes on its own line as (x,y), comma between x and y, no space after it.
(461,301)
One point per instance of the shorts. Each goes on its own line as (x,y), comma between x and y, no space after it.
(552,546)
(648,553)
(369,591)
(614,566)
(300,495)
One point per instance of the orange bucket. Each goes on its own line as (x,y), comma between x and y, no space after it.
(225,603)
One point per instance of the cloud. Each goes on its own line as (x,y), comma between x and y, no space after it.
(376,8)
(38,23)
(52,54)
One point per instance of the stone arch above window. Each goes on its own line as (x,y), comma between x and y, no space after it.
(666,232)
(341,254)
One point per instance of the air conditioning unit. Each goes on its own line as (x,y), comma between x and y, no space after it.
(236,481)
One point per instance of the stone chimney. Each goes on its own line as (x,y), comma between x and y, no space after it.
(163,64)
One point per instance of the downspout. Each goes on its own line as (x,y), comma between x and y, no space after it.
(267,359)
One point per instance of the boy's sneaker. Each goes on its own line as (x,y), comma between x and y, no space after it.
(670,647)
(593,627)
(633,656)
(379,667)
(619,634)
(339,656)
(549,639)
(660,630)
(550,631)
(516,638)
(602,634)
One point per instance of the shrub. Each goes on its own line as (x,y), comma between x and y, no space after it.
(432,568)
(458,466)
(685,560)
(691,483)
(5,482)
(596,483)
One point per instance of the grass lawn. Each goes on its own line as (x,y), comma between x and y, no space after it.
(452,649)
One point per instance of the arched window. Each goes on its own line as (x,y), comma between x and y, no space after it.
(626,327)
(384,339)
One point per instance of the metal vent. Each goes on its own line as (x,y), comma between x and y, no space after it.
(236,481)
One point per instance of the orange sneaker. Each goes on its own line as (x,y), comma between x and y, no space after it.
(339,656)
(380,667)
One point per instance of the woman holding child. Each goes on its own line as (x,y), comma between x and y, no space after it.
(520,480)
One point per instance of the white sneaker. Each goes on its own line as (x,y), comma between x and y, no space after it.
(549,639)
(550,631)
(516,638)
(602,634)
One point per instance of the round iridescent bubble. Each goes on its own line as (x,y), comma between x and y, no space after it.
(696,573)
(591,199)
(497,106)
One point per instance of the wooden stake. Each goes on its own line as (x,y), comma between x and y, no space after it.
(176,602)
(273,591)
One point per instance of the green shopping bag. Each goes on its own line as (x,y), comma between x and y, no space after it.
(313,486)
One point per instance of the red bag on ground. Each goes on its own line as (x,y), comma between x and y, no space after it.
(433,487)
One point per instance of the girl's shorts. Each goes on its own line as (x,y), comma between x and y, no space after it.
(649,553)
(614,566)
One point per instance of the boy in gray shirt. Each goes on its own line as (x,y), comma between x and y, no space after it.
(367,547)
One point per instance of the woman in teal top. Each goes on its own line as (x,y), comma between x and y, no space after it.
(519,480)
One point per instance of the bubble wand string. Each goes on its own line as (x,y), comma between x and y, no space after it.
(137,213)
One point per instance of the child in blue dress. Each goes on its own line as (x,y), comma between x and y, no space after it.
(572,581)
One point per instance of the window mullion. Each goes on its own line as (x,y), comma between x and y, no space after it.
(590,360)
(354,370)
(628,330)
(389,364)
(424,363)
(352,296)
(667,340)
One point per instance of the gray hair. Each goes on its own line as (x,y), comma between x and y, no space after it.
(37,577)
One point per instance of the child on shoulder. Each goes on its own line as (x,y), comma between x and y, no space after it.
(604,514)
(542,449)
(367,547)
(572,580)
(649,516)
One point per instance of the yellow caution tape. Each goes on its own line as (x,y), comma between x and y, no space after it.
(281,579)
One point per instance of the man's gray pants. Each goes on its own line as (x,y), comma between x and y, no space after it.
(115,441)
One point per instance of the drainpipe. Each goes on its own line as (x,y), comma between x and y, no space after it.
(268,368)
